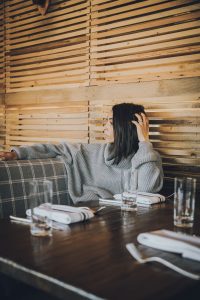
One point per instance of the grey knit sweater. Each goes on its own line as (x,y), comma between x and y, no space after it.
(91,172)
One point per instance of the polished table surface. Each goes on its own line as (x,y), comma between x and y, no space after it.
(89,260)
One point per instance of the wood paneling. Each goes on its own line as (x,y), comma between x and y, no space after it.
(2,122)
(46,116)
(150,40)
(43,52)
(2,76)
(65,70)
(2,52)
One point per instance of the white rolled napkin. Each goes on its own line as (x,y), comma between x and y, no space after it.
(115,202)
(63,213)
(143,198)
(186,245)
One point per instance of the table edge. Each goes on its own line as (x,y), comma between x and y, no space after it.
(41,281)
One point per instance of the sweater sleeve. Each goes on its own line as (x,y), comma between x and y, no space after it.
(38,151)
(147,169)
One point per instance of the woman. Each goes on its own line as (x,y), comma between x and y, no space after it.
(94,170)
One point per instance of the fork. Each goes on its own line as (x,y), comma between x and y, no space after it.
(137,255)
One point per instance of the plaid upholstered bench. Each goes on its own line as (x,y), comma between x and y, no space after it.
(14,178)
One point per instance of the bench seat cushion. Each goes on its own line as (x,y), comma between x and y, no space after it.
(14,182)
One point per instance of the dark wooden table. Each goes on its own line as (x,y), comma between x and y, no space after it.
(90,260)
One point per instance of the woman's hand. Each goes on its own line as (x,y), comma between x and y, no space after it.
(8,155)
(142,126)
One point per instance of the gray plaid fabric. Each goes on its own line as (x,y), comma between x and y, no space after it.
(14,179)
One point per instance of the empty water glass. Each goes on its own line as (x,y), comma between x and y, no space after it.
(129,197)
(40,193)
(184,201)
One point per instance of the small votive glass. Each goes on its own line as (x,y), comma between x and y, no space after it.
(129,197)
(184,201)
(40,193)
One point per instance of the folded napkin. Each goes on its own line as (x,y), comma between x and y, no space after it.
(186,245)
(63,213)
(116,202)
(143,198)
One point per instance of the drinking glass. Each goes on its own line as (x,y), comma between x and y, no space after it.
(40,193)
(184,201)
(129,197)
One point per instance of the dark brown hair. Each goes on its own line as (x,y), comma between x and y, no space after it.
(125,132)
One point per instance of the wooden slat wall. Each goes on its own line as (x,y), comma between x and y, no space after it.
(2,53)
(65,70)
(44,53)
(46,117)
(2,77)
(2,122)
(144,40)
(47,51)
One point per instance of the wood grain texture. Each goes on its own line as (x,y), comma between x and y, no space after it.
(35,43)
(2,119)
(2,51)
(51,121)
(110,43)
